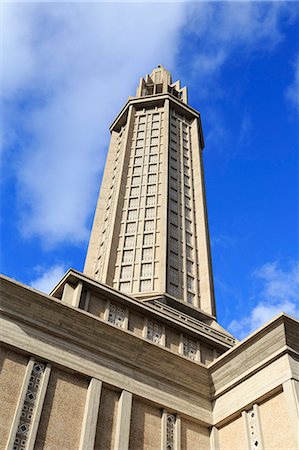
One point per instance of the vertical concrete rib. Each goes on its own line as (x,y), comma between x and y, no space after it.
(90,418)
(122,433)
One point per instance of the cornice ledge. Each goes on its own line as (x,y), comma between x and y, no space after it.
(253,370)
(281,318)
(114,336)
(153,99)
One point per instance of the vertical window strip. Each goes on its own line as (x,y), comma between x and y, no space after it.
(28,413)
(116,315)
(171,431)
(253,431)
(154,332)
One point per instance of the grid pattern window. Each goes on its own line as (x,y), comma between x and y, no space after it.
(133,202)
(190,267)
(137,170)
(148,239)
(150,200)
(153,159)
(147,254)
(173,259)
(145,285)
(190,298)
(29,406)
(125,286)
(128,256)
(174,231)
(136,181)
(132,214)
(139,238)
(149,225)
(129,241)
(149,213)
(190,283)
(188,225)
(139,151)
(174,245)
(117,314)
(151,189)
(189,252)
(152,178)
(253,428)
(180,216)
(152,168)
(146,269)
(174,275)
(138,161)
(170,431)
(131,227)
(189,238)
(173,289)
(134,191)
(154,149)
(189,348)
(126,272)
(154,332)
(140,135)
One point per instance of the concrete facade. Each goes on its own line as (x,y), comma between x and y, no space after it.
(96,366)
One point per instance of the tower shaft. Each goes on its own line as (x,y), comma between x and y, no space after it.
(150,232)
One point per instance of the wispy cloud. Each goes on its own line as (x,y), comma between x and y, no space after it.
(68,70)
(278,291)
(226,27)
(221,36)
(47,278)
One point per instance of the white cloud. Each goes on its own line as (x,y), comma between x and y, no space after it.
(47,278)
(69,69)
(229,27)
(279,292)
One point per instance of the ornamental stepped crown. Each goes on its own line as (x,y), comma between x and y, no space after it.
(160,82)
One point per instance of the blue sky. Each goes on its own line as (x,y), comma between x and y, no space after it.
(69,68)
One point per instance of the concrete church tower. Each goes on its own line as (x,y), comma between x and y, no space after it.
(128,355)
(150,234)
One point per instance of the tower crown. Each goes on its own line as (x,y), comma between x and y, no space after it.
(160,82)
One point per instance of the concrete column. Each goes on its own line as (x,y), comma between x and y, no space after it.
(177,442)
(245,428)
(90,418)
(164,430)
(71,295)
(122,433)
(164,203)
(38,408)
(214,439)
(291,395)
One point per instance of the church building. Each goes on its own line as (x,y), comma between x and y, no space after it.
(128,355)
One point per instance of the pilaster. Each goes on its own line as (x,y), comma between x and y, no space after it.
(89,425)
(123,422)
